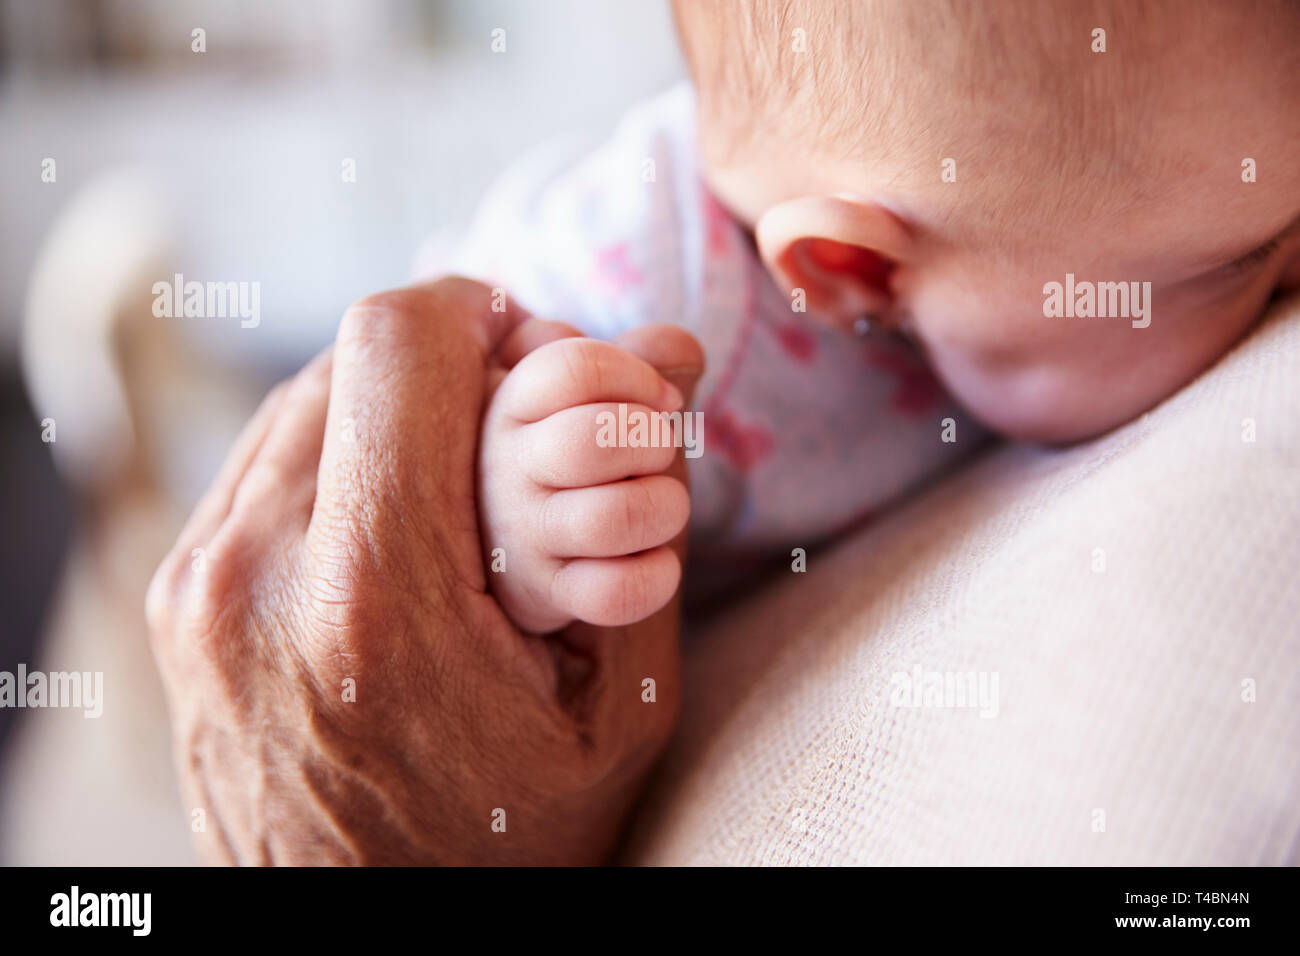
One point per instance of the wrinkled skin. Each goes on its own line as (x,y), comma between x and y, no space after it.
(340,542)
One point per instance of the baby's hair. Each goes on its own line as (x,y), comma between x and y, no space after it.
(746,61)
(841,76)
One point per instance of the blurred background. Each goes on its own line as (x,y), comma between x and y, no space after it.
(144,138)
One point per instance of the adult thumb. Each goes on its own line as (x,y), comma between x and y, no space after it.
(673,351)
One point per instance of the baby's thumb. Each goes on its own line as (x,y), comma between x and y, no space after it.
(670,349)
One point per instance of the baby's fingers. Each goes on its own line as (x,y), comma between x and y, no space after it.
(613,592)
(596,444)
(615,519)
(577,371)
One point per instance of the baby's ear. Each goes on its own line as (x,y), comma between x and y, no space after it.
(834,255)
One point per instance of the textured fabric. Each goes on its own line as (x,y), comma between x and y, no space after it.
(1123,734)
(806,428)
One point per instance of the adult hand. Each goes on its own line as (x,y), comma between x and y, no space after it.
(342,687)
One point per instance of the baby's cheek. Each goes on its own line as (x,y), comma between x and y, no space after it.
(1040,379)
(1011,397)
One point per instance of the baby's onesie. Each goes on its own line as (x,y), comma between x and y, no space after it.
(806,429)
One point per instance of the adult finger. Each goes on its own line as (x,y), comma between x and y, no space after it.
(210,513)
(405,399)
(283,472)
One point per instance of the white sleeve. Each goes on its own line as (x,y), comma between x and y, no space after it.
(606,239)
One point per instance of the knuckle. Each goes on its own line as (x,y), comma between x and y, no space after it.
(562,451)
(211,593)
(554,523)
(381,313)
(633,520)
(586,462)
(207,593)
(583,365)
(159,597)
(633,591)
(366,319)
(622,596)
(192,590)
(454,288)
(376,304)
(446,288)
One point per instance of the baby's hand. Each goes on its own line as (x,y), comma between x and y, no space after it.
(582,530)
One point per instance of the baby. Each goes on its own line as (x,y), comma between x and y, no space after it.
(1066,210)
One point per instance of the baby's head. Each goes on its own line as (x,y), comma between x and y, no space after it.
(938,164)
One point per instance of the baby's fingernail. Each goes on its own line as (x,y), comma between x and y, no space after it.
(672,397)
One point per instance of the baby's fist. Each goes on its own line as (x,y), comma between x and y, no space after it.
(584,525)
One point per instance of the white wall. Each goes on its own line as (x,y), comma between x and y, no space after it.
(248,139)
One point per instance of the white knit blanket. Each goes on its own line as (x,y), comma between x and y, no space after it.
(1129,609)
